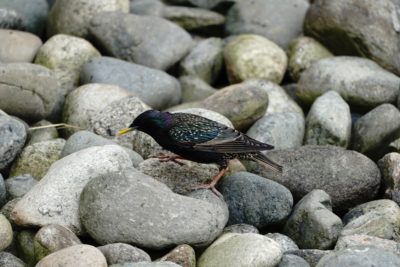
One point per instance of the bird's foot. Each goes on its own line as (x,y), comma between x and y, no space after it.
(208,186)
(164,157)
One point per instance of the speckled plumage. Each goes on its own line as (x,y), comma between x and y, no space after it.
(201,140)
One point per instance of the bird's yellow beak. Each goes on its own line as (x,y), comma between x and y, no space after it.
(124,131)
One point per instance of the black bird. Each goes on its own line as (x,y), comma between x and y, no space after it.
(201,140)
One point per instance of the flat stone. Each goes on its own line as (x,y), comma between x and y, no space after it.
(29,91)
(379,218)
(349,177)
(329,121)
(78,256)
(52,238)
(312,224)
(359,257)
(85,139)
(154,87)
(86,101)
(204,60)
(55,199)
(17,46)
(250,56)
(283,130)
(13,136)
(348,27)
(264,17)
(64,18)
(373,132)
(255,200)
(120,253)
(36,159)
(66,55)
(361,82)
(241,250)
(165,46)
(147,213)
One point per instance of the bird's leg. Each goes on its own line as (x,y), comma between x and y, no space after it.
(165,157)
(214,181)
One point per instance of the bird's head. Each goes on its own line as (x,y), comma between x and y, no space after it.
(148,122)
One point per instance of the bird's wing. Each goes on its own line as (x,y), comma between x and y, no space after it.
(210,136)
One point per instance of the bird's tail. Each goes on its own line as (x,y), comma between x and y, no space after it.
(261,158)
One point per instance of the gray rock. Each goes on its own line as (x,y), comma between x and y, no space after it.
(13,136)
(250,56)
(6,233)
(147,213)
(312,224)
(264,17)
(312,256)
(85,139)
(329,121)
(278,100)
(208,4)
(361,82)
(379,218)
(359,257)
(194,19)
(56,198)
(31,16)
(18,46)
(120,114)
(78,256)
(290,260)
(367,240)
(255,200)
(120,253)
(39,135)
(64,18)
(241,250)
(29,91)
(303,52)
(161,49)
(8,207)
(373,132)
(204,60)
(180,179)
(3,192)
(10,19)
(348,177)
(195,89)
(241,229)
(9,260)
(282,130)
(25,245)
(249,102)
(36,159)
(18,186)
(147,7)
(146,264)
(390,169)
(154,87)
(52,238)
(183,255)
(286,242)
(66,55)
(347,27)
(86,101)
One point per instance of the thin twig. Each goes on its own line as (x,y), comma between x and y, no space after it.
(57,125)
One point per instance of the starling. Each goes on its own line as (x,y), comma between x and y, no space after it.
(201,140)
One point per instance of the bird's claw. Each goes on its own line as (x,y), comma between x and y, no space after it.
(208,186)
(162,157)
